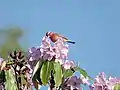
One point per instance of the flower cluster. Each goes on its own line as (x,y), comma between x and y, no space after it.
(73,83)
(47,51)
(57,51)
(103,83)
(68,64)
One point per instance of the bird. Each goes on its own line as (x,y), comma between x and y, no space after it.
(55,36)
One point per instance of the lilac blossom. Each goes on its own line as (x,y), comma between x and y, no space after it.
(61,49)
(34,53)
(72,83)
(85,80)
(45,42)
(68,64)
(103,83)
(48,54)
(48,51)
(114,81)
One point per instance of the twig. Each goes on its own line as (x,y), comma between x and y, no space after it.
(52,83)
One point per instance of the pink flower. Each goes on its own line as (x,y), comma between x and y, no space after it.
(72,83)
(68,64)
(48,51)
(61,49)
(103,83)
(84,80)
(59,60)
(45,42)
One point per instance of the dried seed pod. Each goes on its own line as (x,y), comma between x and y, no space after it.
(3,65)
(16,55)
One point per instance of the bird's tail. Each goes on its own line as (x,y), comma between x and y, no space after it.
(71,42)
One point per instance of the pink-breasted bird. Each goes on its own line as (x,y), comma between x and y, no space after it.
(55,36)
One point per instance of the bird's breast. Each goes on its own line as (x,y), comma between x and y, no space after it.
(54,38)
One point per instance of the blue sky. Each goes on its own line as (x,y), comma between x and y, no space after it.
(93,24)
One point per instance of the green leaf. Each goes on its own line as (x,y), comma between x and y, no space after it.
(37,66)
(117,87)
(9,63)
(67,73)
(83,72)
(45,72)
(36,75)
(2,75)
(10,83)
(58,74)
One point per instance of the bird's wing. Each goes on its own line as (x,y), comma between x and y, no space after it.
(62,36)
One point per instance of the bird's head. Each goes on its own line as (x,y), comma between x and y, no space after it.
(49,34)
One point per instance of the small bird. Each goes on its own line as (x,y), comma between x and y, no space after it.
(55,36)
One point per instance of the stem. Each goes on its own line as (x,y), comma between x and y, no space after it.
(52,83)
